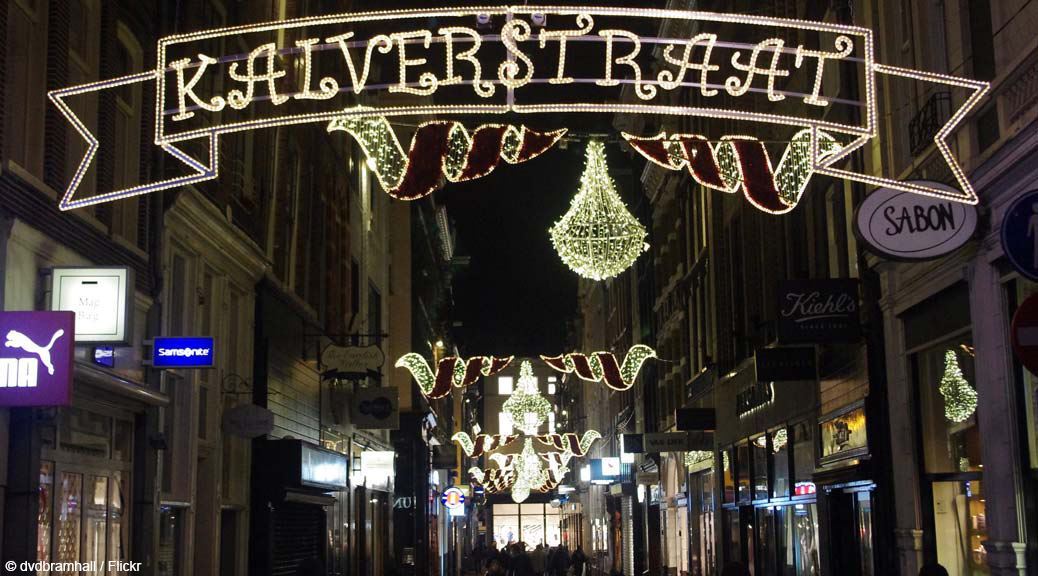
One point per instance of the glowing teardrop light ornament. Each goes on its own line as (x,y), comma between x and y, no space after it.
(598,237)
(960,399)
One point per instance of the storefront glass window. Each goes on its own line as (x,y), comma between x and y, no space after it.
(727,457)
(170,541)
(703,555)
(1024,289)
(948,404)
(117,535)
(552,526)
(759,449)
(734,534)
(95,526)
(779,463)
(532,532)
(742,464)
(766,540)
(960,526)
(803,451)
(785,541)
(805,531)
(45,514)
(863,509)
(70,497)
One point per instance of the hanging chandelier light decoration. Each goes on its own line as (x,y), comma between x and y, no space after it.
(598,238)
(527,407)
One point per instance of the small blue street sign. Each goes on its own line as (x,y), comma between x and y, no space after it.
(183,352)
(1020,234)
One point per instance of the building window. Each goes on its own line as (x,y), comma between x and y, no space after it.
(83,67)
(26,83)
(505,385)
(982,41)
(504,423)
(127,145)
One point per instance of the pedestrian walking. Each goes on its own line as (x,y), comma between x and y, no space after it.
(537,558)
(934,569)
(560,562)
(579,561)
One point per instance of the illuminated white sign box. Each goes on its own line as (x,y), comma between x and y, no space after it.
(101,300)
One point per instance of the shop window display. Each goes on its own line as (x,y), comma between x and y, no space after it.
(779,463)
(805,533)
(759,448)
(950,437)
(742,466)
(727,465)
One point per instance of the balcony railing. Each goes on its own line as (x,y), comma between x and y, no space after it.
(928,120)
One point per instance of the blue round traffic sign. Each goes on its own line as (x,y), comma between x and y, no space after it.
(1020,234)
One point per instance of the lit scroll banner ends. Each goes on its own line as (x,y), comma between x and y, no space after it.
(450,371)
(201,95)
(603,366)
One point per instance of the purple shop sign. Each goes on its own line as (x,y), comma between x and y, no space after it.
(36,358)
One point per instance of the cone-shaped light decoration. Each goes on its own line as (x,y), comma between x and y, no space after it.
(598,237)
(526,405)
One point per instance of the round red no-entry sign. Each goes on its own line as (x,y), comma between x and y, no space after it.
(1023,333)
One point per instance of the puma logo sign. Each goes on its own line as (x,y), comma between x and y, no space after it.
(16,339)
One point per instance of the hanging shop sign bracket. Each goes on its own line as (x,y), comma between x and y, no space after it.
(516,66)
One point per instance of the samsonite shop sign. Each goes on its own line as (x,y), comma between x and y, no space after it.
(183,352)
(36,358)
(904,226)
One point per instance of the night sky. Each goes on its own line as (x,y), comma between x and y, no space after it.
(516,295)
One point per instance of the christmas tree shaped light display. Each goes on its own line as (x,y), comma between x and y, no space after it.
(526,406)
(598,237)
(960,399)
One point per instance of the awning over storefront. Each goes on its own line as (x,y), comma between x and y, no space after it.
(120,385)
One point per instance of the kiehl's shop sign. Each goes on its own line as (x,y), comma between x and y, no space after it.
(902,226)
(816,311)
(36,358)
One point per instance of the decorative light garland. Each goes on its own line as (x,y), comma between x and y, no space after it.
(571,442)
(451,370)
(694,457)
(960,399)
(603,366)
(439,149)
(598,237)
(526,406)
(742,162)
(463,67)
(480,444)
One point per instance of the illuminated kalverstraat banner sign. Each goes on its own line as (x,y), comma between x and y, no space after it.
(361,73)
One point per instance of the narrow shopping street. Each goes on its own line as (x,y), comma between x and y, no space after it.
(471,288)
